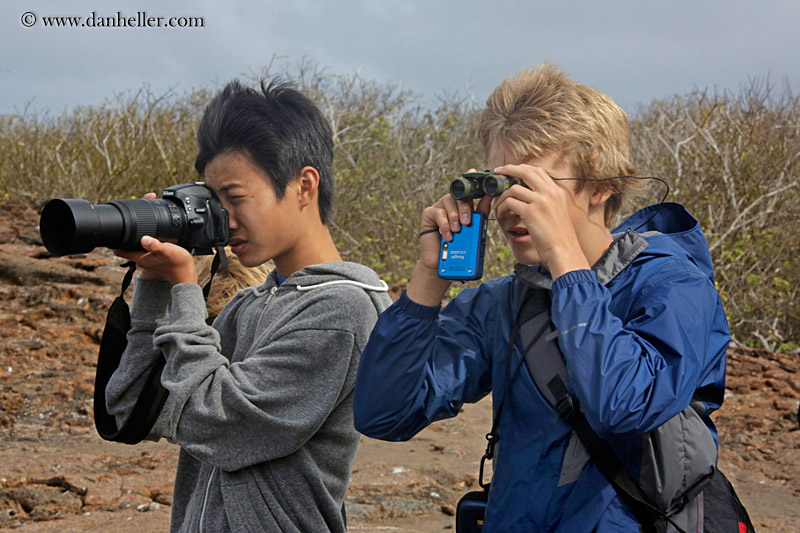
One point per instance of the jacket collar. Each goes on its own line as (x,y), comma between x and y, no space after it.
(623,250)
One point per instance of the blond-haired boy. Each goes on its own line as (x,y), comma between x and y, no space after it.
(634,314)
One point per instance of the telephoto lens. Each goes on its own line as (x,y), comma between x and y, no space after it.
(72,226)
(189,215)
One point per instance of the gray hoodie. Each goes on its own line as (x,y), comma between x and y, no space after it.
(260,403)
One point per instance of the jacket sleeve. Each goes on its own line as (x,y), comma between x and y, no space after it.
(632,376)
(421,365)
(233,415)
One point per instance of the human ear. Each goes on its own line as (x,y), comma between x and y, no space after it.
(600,195)
(307,186)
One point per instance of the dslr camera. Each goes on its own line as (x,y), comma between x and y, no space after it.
(189,215)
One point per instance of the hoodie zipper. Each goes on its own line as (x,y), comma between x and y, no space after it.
(272,292)
(214,469)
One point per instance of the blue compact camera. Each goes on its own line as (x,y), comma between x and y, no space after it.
(462,258)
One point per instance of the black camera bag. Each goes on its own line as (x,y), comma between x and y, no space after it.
(471,510)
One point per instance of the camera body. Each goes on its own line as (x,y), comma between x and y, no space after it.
(189,215)
(461,259)
(206,220)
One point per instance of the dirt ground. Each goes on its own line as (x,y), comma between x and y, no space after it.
(56,474)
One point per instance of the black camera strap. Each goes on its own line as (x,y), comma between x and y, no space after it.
(153,395)
(220,262)
(112,345)
(527,307)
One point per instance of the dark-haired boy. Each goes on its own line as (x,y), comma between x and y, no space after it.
(260,403)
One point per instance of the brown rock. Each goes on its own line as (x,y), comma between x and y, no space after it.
(104,492)
(22,270)
(41,501)
(163,498)
(133,500)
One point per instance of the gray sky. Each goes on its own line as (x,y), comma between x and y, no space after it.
(634,51)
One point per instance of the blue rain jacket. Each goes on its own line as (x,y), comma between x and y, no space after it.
(637,349)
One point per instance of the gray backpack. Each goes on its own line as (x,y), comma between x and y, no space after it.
(678,458)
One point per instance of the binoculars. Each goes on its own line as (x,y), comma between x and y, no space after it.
(478,184)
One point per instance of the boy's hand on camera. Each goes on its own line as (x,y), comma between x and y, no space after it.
(162,260)
(544,209)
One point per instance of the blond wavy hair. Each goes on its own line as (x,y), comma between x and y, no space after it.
(227,283)
(542,111)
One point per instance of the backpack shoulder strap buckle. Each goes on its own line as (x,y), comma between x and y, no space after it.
(565,405)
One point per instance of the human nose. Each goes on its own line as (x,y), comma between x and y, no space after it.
(232,222)
(503,214)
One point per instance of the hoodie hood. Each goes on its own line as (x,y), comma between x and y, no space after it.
(672,222)
(315,277)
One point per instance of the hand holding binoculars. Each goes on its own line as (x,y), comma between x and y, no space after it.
(478,184)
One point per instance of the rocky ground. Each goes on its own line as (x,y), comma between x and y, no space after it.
(56,474)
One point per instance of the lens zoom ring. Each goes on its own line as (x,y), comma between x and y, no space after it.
(146,222)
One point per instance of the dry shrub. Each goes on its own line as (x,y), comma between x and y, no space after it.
(129,145)
(731,158)
(734,161)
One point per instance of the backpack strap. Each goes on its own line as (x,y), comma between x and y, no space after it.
(548,370)
(523,312)
(568,409)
